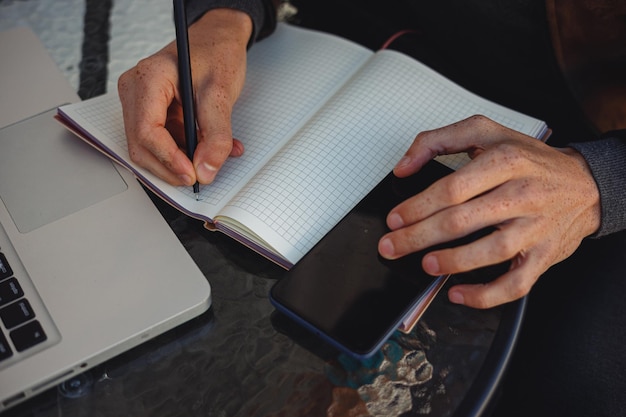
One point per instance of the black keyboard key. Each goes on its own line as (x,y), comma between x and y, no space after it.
(27,336)
(17,313)
(5,268)
(10,290)
(5,349)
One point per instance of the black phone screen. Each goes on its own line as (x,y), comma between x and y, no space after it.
(342,289)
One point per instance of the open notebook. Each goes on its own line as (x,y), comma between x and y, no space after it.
(323,121)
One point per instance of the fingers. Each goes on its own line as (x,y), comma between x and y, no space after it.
(161,156)
(502,245)
(542,202)
(457,205)
(512,285)
(469,135)
(155,134)
(145,111)
(492,190)
(456,188)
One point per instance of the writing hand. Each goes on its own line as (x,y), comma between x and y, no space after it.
(541,200)
(151,101)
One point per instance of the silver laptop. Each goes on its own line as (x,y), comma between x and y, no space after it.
(88,266)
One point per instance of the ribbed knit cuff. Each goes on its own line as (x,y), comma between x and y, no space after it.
(261,12)
(607,160)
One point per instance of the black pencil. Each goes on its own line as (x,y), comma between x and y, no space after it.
(185,83)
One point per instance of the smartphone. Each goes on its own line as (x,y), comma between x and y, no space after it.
(343,291)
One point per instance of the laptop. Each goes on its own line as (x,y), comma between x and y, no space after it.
(88,266)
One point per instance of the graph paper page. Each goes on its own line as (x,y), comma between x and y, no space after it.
(350,145)
(290,75)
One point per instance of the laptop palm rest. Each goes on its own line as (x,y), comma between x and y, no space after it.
(46,173)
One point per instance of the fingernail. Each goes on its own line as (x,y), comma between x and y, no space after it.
(206,172)
(403,162)
(456,297)
(431,265)
(185,179)
(386,248)
(395,221)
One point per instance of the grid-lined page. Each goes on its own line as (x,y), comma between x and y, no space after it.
(290,75)
(350,145)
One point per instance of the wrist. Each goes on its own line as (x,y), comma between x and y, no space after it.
(593,214)
(223,25)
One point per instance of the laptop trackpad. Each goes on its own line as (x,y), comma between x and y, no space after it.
(47,173)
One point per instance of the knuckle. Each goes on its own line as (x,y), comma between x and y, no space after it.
(421,136)
(506,150)
(480,121)
(456,222)
(134,151)
(518,287)
(485,124)
(454,188)
(222,95)
(143,65)
(453,260)
(527,193)
(123,81)
(505,247)
(406,241)
(479,297)
(511,154)
(482,302)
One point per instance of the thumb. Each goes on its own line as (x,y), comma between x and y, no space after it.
(469,135)
(215,142)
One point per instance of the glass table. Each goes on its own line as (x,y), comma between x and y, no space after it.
(241,357)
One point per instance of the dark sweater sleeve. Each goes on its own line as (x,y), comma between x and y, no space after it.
(607,160)
(262,13)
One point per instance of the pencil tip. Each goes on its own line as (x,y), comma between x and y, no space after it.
(196,190)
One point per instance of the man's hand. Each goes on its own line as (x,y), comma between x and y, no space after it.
(151,100)
(542,201)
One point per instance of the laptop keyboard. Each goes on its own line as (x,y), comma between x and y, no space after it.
(20,328)
(26,326)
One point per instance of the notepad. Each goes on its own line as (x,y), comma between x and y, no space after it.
(323,120)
